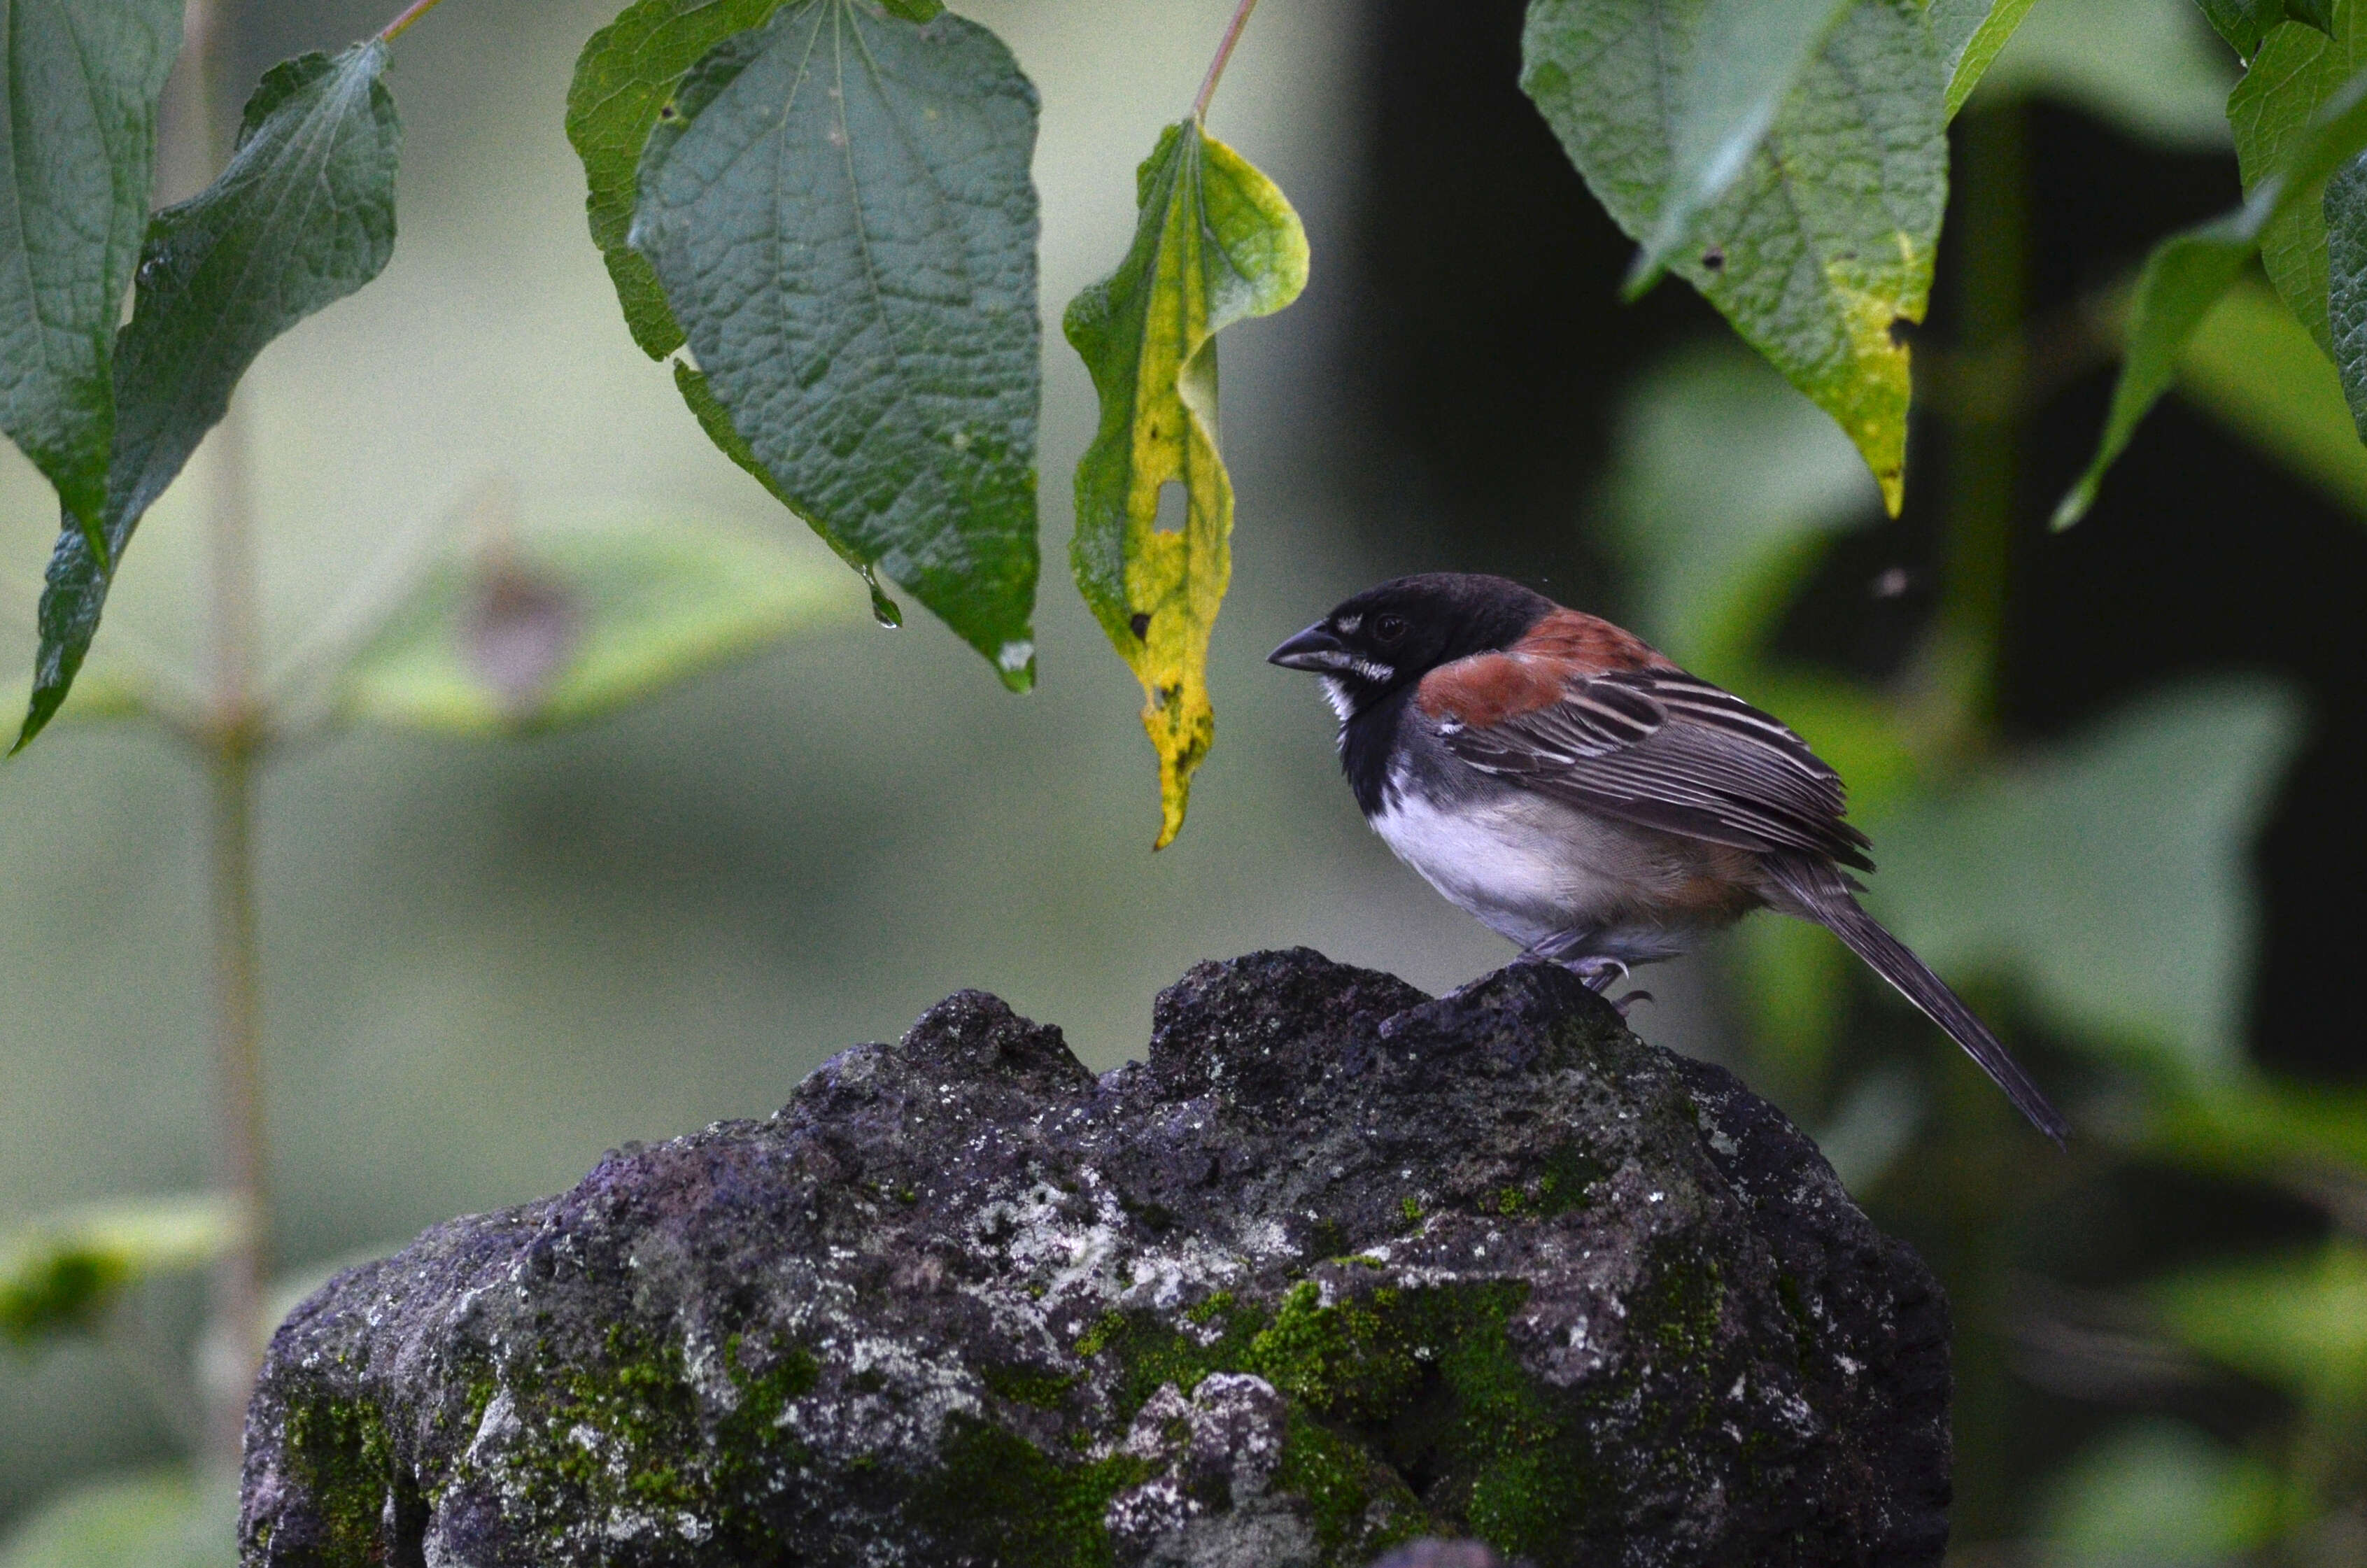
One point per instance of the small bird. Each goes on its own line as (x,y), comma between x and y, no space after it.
(1567,784)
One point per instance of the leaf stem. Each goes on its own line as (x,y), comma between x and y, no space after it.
(1217,66)
(402,24)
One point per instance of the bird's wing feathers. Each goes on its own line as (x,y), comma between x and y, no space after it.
(1662,749)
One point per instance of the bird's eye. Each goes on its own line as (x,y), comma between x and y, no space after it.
(1389,627)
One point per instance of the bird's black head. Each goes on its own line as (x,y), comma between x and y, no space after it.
(1385,639)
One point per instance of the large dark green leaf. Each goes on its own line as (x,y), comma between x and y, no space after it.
(79,81)
(623,79)
(2187,274)
(2277,105)
(2245,23)
(841,214)
(1819,251)
(303,216)
(1744,60)
(2346,283)
(1215,243)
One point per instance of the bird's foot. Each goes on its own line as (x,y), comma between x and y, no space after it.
(1620,1004)
(1597,970)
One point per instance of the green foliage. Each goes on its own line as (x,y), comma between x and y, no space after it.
(1971,34)
(623,80)
(2282,102)
(2187,272)
(2109,877)
(61,1274)
(2148,66)
(303,216)
(78,89)
(563,626)
(839,212)
(2296,1324)
(2253,367)
(161,1518)
(2244,23)
(1819,250)
(2158,1494)
(716,420)
(2104,877)
(1216,243)
(1743,59)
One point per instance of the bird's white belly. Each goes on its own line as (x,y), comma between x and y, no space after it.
(1525,866)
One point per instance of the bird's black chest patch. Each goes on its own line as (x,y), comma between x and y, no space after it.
(1368,746)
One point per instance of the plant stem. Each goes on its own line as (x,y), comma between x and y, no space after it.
(402,24)
(1984,457)
(1224,54)
(230,741)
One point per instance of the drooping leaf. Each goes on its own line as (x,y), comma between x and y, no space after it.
(2186,275)
(560,627)
(2253,367)
(2244,23)
(716,421)
(1745,57)
(303,216)
(2147,67)
(79,82)
(841,215)
(1215,241)
(2107,876)
(2183,277)
(2281,103)
(160,1518)
(1970,35)
(1820,250)
(59,1275)
(623,80)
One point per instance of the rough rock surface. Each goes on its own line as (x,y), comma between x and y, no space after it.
(1339,1266)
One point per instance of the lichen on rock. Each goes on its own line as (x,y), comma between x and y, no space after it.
(1337,1266)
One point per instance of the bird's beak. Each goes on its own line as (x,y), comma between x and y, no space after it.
(1313,649)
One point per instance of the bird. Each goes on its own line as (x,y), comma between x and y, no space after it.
(1579,793)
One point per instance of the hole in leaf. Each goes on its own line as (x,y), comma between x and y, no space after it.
(1714,259)
(1139,624)
(1901,332)
(1174,505)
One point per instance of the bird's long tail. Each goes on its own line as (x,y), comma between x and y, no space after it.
(1821,893)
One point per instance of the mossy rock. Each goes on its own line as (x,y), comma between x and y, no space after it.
(1336,1266)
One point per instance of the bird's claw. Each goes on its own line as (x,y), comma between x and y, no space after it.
(1621,1005)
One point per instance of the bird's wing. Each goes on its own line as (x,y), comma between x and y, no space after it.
(1653,747)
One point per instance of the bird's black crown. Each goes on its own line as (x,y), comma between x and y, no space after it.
(1385,639)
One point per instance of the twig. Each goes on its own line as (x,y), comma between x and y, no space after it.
(402,24)
(1217,66)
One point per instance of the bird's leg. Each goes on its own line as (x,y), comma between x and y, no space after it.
(1568,948)
(1597,970)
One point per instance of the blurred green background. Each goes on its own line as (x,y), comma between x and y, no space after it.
(2111,778)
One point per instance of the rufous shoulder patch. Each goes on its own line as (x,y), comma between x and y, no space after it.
(1589,645)
(1487,689)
